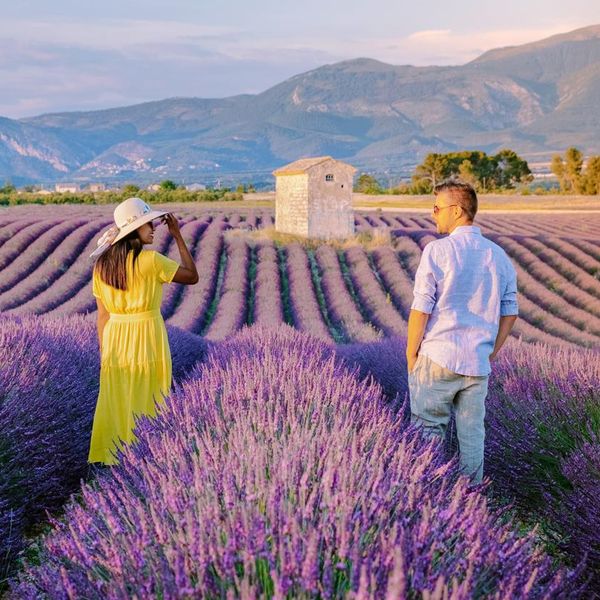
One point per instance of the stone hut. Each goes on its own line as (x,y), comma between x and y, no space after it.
(314,198)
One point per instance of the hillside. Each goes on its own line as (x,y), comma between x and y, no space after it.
(539,97)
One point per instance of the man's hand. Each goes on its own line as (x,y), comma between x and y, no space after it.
(417,322)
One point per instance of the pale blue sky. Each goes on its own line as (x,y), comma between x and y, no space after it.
(81,54)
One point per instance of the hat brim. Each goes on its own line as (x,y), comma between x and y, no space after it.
(153,214)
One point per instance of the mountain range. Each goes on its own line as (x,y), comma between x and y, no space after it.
(537,99)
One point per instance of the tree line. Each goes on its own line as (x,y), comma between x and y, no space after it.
(499,172)
(573,177)
(168,192)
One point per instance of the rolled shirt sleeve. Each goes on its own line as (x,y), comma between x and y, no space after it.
(164,267)
(425,287)
(509,304)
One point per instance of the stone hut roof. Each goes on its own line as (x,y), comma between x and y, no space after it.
(304,164)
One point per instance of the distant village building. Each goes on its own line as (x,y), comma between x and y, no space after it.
(97,187)
(195,187)
(153,187)
(62,188)
(313,198)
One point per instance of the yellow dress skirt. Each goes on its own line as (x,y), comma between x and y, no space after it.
(135,366)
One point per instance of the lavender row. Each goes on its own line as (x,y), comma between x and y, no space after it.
(72,293)
(36,253)
(376,303)
(542,440)
(54,266)
(286,477)
(409,254)
(304,305)
(196,299)
(231,313)
(543,443)
(574,255)
(553,307)
(573,273)
(268,304)
(20,244)
(395,278)
(9,229)
(192,232)
(544,273)
(591,248)
(343,309)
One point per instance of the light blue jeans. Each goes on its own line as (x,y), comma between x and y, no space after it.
(434,392)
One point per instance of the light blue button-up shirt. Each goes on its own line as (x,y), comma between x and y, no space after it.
(465,282)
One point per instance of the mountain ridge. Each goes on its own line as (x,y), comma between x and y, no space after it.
(537,97)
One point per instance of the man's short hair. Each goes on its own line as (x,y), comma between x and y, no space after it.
(462,193)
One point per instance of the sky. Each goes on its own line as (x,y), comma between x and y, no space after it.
(69,55)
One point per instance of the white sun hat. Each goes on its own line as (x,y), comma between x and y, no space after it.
(129,215)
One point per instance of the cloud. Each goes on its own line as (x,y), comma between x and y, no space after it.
(52,65)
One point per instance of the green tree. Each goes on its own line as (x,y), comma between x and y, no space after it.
(129,190)
(573,166)
(503,170)
(434,168)
(167,185)
(466,173)
(568,171)
(367,184)
(591,177)
(557,166)
(511,169)
(8,188)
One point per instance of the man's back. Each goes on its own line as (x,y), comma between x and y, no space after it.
(466,282)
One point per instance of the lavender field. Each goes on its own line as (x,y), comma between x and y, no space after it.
(284,464)
(355,294)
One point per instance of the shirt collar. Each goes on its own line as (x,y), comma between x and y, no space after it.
(467,229)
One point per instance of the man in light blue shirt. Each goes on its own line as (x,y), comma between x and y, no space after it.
(465,305)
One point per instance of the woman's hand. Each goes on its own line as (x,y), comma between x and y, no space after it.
(172,223)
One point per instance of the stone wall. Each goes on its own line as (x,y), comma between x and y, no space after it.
(291,204)
(330,213)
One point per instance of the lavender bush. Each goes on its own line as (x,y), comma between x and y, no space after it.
(541,451)
(543,431)
(343,311)
(395,278)
(49,373)
(17,244)
(191,231)
(232,311)
(378,306)
(23,264)
(268,306)
(54,265)
(194,305)
(304,304)
(277,473)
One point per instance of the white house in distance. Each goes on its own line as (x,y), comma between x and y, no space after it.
(62,188)
(313,198)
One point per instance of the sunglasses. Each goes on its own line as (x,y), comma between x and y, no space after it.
(436,208)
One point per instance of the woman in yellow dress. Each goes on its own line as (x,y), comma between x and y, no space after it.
(135,359)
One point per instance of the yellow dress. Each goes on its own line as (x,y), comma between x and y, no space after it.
(135,368)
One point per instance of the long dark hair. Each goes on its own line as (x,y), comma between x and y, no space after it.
(112,265)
